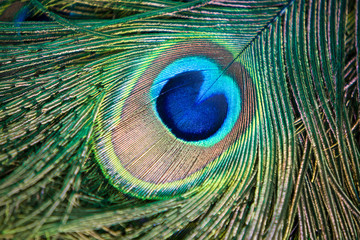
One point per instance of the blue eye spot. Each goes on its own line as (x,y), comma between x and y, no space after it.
(188,117)
(195,101)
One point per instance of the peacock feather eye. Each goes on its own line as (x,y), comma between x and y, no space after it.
(174,125)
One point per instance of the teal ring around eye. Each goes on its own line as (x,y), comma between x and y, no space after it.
(215,83)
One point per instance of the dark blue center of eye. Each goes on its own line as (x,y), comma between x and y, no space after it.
(189,116)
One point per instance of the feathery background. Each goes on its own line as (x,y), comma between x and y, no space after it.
(84,156)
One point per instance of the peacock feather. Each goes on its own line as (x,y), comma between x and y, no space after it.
(177,119)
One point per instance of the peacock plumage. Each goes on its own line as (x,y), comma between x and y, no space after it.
(179,119)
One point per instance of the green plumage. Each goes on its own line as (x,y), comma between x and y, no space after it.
(72,74)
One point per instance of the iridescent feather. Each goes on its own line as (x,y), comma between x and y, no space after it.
(205,119)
